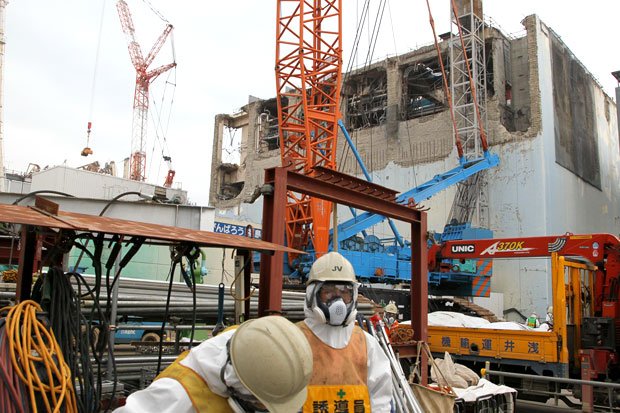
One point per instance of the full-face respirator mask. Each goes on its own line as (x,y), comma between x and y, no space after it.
(335,303)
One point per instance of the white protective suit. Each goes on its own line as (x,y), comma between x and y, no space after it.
(379,369)
(168,396)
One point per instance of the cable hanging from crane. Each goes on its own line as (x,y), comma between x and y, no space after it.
(161,131)
(373,38)
(87,150)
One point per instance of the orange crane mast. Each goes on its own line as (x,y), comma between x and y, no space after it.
(144,77)
(308,76)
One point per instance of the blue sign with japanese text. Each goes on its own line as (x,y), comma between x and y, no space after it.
(232,229)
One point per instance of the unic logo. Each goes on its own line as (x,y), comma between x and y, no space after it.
(462,248)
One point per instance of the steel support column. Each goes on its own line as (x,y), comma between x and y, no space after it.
(271,266)
(247,280)
(26,263)
(419,287)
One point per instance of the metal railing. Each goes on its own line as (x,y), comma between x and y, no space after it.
(610,387)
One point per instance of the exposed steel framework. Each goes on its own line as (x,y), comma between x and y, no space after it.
(308,76)
(144,77)
(468,100)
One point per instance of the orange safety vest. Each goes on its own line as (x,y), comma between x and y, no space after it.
(203,399)
(339,376)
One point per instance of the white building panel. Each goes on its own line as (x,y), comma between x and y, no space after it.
(86,184)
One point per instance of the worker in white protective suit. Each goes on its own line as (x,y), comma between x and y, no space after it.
(351,371)
(263,365)
(391,315)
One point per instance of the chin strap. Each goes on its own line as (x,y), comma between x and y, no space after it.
(238,401)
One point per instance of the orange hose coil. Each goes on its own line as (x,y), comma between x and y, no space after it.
(32,344)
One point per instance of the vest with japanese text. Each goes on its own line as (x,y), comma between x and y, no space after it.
(339,380)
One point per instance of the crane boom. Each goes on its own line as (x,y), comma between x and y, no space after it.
(595,248)
(592,247)
(308,77)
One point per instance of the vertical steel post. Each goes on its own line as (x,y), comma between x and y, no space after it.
(419,288)
(271,266)
(27,253)
(247,281)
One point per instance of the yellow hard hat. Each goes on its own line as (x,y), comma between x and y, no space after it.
(332,267)
(391,308)
(273,360)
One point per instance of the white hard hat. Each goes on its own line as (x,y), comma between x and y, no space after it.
(391,308)
(273,360)
(331,267)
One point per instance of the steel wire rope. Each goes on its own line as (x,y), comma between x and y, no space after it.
(457,138)
(157,124)
(354,53)
(375,33)
(356,40)
(373,36)
(157,12)
(392,25)
(96,69)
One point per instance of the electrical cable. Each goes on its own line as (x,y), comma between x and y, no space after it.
(12,391)
(191,283)
(72,331)
(173,265)
(97,316)
(237,275)
(43,191)
(38,360)
(137,243)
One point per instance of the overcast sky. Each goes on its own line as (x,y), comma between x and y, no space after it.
(224,51)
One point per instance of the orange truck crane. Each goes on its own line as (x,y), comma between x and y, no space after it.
(585,338)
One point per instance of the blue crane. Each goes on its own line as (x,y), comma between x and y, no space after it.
(389,260)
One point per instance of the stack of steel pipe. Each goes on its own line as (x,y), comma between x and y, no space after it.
(147,299)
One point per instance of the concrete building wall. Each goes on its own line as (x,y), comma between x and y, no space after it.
(537,189)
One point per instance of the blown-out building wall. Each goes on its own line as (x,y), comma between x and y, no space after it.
(550,122)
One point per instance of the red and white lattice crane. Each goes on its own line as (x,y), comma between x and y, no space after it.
(144,77)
